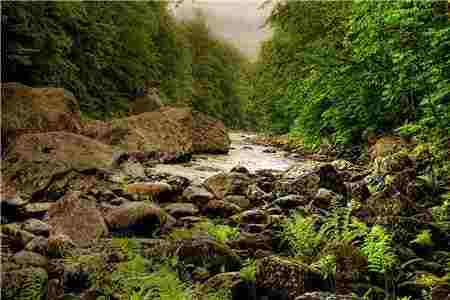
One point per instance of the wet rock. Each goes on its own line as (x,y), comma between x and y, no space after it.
(29,258)
(269,150)
(239,200)
(197,195)
(12,284)
(118,201)
(221,208)
(138,218)
(36,227)
(291,201)
(331,179)
(223,184)
(78,218)
(39,245)
(178,183)
(179,210)
(358,190)
(240,169)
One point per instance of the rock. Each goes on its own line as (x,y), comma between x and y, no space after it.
(326,198)
(178,183)
(167,130)
(12,284)
(36,227)
(197,195)
(283,274)
(291,201)
(148,102)
(255,216)
(133,169)
(240,169)
(257,195)
(221,281)
(209,135)
(37,210)
(39,245)
(202,252)
(11,207)
(179,210)
(441,292)
(305,184)
(157,191)
(331,179)
(239,200)
(269,150)
(78,218)
(33,110)
(253,241)
(29,258)
(14,237)
(358,190)
(221,208)
(158,248)
(223,184)
(138,218)
(252,228)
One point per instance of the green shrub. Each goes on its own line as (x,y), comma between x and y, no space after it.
(377,247)
(248,272)
(300,235)
(423,238)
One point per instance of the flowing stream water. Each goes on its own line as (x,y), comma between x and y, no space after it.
(242,153)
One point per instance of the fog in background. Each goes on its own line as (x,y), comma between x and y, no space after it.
(240,22)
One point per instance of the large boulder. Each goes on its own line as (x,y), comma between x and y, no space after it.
(31,110)
(223,184)
(209,135)
(166,130)
(78,218)
(37,160)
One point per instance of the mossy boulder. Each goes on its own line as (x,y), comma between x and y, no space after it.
(209,135)
(31,110)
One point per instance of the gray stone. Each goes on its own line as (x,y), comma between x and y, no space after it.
(36,227)
(30,259)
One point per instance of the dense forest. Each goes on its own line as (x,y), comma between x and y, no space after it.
(105,52)
(336,68)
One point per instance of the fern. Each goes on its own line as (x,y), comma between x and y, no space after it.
(378,250)
(248,272)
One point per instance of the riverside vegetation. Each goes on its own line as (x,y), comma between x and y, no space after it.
(360,90)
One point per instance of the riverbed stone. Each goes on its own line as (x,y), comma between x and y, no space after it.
(239,200)
(221,208)
(179,210)
(223,184)
(29,258)
(197,195)
(77,217)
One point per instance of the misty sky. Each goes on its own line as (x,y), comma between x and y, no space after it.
(238,21)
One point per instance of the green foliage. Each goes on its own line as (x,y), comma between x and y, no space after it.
(326,265)
(300,235)
(104,52)
(335,68)
(248,271)
(423,238)
(378,250)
